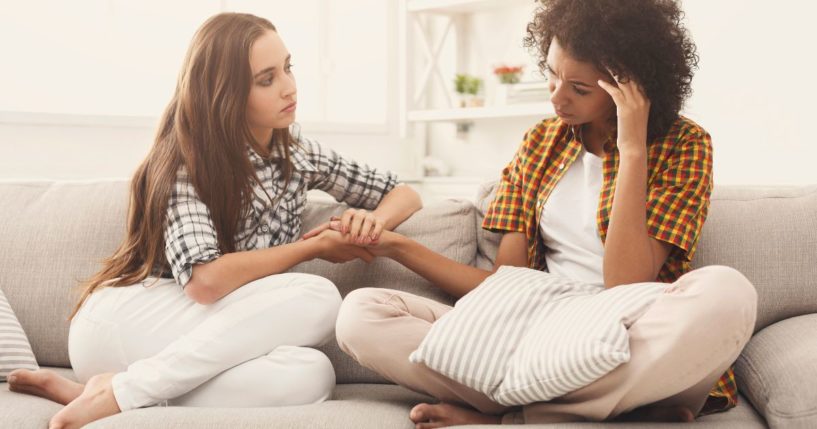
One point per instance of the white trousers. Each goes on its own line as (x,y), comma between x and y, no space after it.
(249,349)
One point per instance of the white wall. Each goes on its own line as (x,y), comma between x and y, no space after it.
(754,92)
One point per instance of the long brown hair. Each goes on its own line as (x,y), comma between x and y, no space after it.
(204,131)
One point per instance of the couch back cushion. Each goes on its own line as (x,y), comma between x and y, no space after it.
(55,234)
(770,235)
(767,233)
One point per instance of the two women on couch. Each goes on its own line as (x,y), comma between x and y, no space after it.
(613,191)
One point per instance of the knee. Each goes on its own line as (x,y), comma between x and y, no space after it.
(729,294)
(728,284)
(320,289)
(355,319)
(312,373)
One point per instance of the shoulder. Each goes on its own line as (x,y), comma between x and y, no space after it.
(687,131)
(542,135)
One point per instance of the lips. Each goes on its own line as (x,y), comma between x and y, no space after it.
(562,114)
(290,108)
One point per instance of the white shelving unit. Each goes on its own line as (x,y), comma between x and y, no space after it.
(459,6)
(427,96)
(474,113)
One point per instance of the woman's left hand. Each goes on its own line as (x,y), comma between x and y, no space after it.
(633,111)
(359,226)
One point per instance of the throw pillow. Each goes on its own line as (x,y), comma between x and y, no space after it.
(527,336)
(15,351)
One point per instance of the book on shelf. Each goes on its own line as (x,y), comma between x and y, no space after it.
(522,92)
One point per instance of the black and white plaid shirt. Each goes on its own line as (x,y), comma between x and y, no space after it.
(190,237)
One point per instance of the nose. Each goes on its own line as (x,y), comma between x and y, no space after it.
(288,88)
(558,95)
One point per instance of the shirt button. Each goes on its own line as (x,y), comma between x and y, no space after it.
(264,228)
(562,166)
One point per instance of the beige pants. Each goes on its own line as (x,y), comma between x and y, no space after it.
(679,348)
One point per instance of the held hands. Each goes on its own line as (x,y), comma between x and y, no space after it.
(335,248)
(633,111)
(358,226)
(356,234)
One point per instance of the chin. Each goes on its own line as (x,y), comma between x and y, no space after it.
(572,120)
(283,123)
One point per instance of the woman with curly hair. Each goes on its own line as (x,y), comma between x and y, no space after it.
(612,191)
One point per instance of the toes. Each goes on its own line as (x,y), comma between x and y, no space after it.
(57,422)
(419,413)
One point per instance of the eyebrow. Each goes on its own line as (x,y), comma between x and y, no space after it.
(575,82)
(269,69)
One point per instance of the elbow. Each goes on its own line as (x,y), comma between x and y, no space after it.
(201,288)
(619,279)
(416,200)
(200,292)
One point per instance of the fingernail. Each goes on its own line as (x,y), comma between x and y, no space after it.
(12,378)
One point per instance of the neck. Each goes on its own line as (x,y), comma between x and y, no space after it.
(595,134)
(263,136)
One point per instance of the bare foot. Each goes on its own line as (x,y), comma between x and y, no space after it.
(428,416)
(45,384)
(95,402)
(658,414)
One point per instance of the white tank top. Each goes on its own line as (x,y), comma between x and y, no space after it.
(568,222)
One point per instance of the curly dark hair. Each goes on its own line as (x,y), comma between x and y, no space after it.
(643,40)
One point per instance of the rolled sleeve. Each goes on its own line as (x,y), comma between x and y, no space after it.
(506,213)
(346,180)
(190,236)
(678,199)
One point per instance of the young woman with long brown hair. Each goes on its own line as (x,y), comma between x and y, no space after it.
(192,308)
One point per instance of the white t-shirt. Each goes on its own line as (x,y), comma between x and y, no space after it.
(568,222)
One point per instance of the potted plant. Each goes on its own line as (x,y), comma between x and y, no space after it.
(468,87)
(508,76)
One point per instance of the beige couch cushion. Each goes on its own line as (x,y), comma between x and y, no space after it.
(55,234)
(777,370)
(768,234)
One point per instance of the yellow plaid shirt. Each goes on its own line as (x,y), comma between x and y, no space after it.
(679,186)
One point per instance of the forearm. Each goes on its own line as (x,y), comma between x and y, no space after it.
(628,253)
(216,279)
(451,276)
(396,206)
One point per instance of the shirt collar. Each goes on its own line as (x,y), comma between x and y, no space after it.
(299,160)
(574,134)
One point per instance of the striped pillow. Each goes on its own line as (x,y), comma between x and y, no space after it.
(15,351)
(527,336)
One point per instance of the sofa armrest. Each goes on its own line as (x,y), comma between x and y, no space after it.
(777,372)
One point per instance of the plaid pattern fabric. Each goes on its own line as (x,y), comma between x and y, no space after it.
(679,187)
(190,236)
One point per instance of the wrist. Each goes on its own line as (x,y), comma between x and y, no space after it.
(391,243)
(314,247)
(632,152)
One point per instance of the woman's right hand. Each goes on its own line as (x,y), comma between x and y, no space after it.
(332,246)
(381,247)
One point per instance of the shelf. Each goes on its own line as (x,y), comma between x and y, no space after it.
(460,6)
(542,109)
